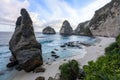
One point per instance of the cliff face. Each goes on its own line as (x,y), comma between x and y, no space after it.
(106,21)
(66,28)
(83,29)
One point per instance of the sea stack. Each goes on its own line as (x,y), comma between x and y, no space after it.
(66,28)
(48,30)
(83,29)
(26,51)
(106,21)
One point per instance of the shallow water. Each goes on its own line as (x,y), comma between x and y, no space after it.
(49,43)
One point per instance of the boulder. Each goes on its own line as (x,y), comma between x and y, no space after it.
(56,49)
(53,52)
(39,69)
(66,28)
(106,21)
(83,29)
(40,78)
(23,45)
(50,78)
(63,46)
(48,30)
(12,64)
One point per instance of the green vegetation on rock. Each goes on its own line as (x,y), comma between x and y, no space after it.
(70,70)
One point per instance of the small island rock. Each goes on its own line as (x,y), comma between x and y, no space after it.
(48,30)
(66,28)
(23,45)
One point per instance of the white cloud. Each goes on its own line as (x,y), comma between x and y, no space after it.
(37,23)
(61,10)
(9,11)
(57,11)
(10,8)
(88,11)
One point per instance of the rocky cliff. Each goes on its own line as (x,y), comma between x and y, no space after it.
(83,29)
(66,28)
(25,49)
(106,21)
(48,30)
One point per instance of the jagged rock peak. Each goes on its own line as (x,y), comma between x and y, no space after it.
(66,28)
(25,49)
(26,18)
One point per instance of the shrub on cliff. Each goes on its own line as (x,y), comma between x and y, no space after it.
(70,70)
(105,68)
(113,48)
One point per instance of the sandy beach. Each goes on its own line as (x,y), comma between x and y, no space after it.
(93,52)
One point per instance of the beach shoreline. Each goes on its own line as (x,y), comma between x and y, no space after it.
(93,52)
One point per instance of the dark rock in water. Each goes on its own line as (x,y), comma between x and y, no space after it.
(106,21)
(23,45)
(64,49)
(85,44)
(56,49)
(62,46)
(48,30)
(66,28)
(76,44)
(40,78)
(83,29)
(53,52)
(53,55)
(57,57)
(39,69)
(12,64)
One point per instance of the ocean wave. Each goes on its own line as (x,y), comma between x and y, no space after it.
(4,45)
(47,41)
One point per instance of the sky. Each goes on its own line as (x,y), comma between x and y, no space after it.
(48,12)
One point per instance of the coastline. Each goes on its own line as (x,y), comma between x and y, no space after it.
(93,52)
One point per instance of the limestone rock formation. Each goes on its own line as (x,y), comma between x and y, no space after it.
(48,30)
(66,28)
(23,45)
(106,21)
(83,29)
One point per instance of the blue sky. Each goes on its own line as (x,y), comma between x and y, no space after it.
(48,12)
